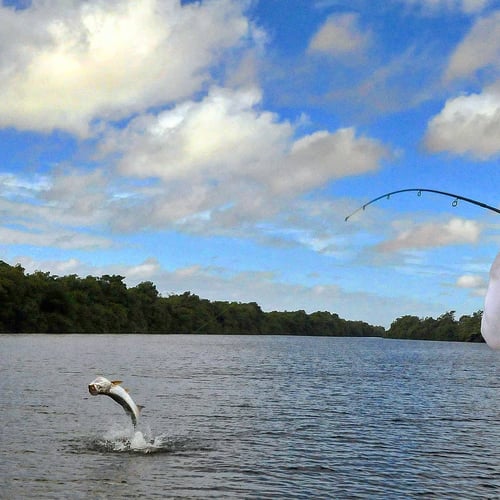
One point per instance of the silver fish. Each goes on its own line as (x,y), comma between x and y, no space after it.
(113,389)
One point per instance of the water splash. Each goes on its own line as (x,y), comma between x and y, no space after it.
(121,440)
(132,441)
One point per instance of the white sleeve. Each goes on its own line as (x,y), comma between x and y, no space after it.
(490,324)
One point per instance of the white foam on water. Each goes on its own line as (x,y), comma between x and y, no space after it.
(138,442)
(146,444)
(122,439)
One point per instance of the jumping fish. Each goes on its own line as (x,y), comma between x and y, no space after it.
(113,389)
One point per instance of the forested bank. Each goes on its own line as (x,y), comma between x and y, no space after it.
(44,303)
(446,327)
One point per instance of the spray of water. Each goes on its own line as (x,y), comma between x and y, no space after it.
(120,439)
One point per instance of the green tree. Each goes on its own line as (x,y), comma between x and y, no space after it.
(13,288)
(404,327)
(469,327)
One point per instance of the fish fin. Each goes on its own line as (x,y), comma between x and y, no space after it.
(116,382)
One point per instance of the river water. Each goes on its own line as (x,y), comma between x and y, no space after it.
(249,417)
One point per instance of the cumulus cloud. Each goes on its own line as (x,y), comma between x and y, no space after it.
(66,63)
(434,234)
(475,283)
(147,269)
(322,156)
(340,35)
(217,165)
(224,131)
(479,49)
(471,281)
(226,160)
(468,124)
(55,267)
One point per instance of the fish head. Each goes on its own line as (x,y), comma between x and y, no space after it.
(100,385)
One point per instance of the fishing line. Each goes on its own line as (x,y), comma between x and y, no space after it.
(490,323)
(419,192)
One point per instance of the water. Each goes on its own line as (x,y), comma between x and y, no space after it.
(249,417)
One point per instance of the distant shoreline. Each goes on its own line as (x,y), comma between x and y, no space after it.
(40,303)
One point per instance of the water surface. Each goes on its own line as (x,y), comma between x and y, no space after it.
(249,417)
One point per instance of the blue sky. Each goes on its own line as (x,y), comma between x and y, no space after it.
(217,147)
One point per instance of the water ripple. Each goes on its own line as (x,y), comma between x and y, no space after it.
(250,417)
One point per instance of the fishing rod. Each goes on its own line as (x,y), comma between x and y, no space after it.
(419,193)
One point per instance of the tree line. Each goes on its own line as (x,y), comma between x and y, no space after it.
(445,327)
(45,303)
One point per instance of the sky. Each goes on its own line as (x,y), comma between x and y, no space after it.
(217,146)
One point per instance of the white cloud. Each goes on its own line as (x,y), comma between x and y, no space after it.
(220,165)
(145,270)
(475,283)
(471,281)
(82,193)
(322,156)
(62,209)
(13,186)
(225,160)
(48,237)
(479,49)
(340,35)
(468,124)
(63,64)
(434,234)
(225,131)
(55,267)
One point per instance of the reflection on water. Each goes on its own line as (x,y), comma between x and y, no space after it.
(249,417)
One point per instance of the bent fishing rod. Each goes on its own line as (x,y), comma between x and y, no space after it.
(419,192)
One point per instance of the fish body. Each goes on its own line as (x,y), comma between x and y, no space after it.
(114,390)
(490,323)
